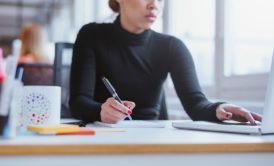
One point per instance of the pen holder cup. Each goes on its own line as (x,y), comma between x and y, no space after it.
(40,105)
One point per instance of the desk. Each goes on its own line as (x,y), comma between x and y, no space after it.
(149,146)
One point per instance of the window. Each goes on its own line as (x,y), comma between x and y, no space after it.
(231,43)
(249,36)
(247,50)
(103,13)
(193,21)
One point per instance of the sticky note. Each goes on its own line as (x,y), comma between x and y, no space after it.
(52,129)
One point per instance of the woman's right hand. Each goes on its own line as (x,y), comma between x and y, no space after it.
(112,111)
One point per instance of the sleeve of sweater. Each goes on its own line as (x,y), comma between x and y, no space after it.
(186,84)
(82,78)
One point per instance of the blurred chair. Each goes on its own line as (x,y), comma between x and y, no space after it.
(62,63)
(36,73)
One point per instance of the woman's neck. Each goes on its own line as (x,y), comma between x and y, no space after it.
(130,27)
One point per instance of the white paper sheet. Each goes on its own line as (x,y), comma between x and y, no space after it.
(132,124)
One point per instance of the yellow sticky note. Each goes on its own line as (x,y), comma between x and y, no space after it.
(51,129)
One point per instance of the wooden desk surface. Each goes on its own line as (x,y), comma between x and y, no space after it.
(138,141)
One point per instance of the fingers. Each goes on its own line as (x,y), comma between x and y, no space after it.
(118,106)
(236,113)
(256,116)
(112,111)
(112,116)
(249,117)
(239,118)
(130,105)
(242,115)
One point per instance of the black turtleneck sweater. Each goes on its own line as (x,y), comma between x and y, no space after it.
(137,65)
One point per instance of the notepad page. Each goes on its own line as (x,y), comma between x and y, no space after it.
(132,124)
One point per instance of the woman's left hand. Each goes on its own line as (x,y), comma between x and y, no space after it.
(237,113)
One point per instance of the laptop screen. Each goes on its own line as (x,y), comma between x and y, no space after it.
(268,113)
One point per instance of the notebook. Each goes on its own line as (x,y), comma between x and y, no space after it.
(132,124)
(266,127)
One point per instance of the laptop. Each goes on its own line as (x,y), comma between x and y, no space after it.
(266,127)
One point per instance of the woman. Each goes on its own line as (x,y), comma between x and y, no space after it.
(137,60)
(33,43)
(32,58)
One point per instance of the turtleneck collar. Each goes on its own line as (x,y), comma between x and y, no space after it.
(128,37)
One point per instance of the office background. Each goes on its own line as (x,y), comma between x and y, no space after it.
(231,40)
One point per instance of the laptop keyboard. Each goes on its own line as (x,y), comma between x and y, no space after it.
(230,122)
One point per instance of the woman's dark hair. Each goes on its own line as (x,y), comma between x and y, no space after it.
(114,5)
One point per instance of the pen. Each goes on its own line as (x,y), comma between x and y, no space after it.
(112,91)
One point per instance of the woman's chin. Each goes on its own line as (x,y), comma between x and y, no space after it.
(147,26)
